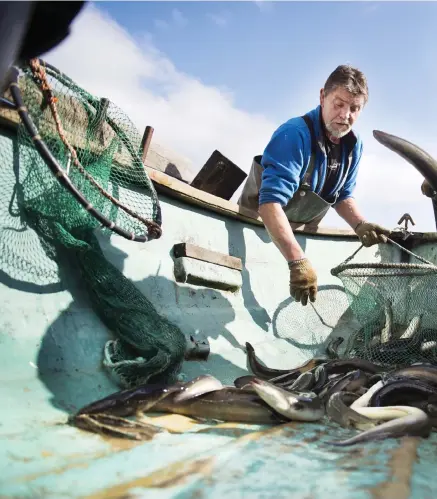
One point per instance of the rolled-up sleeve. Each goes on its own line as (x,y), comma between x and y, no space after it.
(351,181)
(282,164)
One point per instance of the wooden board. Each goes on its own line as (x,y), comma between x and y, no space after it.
(219,176)
(179,190)
(206,255)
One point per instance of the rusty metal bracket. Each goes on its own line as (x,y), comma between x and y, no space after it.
(406,218)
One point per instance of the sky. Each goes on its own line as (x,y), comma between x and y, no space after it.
(224,75)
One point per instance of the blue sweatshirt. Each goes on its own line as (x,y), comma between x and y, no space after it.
(286,159)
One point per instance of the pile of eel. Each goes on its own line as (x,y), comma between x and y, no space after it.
(353,393)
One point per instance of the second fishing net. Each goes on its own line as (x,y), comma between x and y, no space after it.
(393,303)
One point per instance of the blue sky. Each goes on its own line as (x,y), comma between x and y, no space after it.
(224,75)
(264,55)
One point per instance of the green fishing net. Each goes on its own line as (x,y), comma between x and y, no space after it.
(116,185)
(393,304)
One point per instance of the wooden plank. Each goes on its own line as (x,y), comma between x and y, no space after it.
(206,274)
(179,190)
(206,255)
(219,176)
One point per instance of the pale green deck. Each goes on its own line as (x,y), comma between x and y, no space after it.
(51,350)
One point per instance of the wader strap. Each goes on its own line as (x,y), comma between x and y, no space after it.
(306,182)
(348,167)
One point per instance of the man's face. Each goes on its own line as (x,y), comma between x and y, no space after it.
(340,110)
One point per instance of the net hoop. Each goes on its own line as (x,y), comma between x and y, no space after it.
(370,269)
(154,230)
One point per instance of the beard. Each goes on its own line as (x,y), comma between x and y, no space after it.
(335,132)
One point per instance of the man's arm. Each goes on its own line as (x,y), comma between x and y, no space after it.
(349,212)
(283,162)
(368,233)
(280,231)
(303,279)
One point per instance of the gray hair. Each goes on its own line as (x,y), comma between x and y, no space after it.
(349,78)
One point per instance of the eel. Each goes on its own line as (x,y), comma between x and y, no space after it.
(263,372)
(228,404)
(338,409)
(401,421)
(402,391)
(413,154)
(296,406)
(387,330)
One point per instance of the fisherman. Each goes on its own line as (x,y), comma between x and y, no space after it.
(310,164)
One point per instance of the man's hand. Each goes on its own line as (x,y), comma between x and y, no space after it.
(371,234)
(303,281)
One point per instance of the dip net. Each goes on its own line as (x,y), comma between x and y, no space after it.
(381,311)
(393,305)
(78,167)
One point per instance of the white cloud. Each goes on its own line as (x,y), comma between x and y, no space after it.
(193,119)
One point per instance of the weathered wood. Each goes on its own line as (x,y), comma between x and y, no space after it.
(100,120)
(145,142)
(206,255)
(200,273)
(8,121)
(179,190)
(401,468)
(219,176)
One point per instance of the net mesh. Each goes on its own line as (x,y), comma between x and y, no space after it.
(115,183)
(308,330)
(393,304)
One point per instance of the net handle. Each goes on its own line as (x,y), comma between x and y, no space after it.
(423,260)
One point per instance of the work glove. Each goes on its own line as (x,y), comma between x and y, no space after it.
(370,234)
(427,190)
(303,281)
